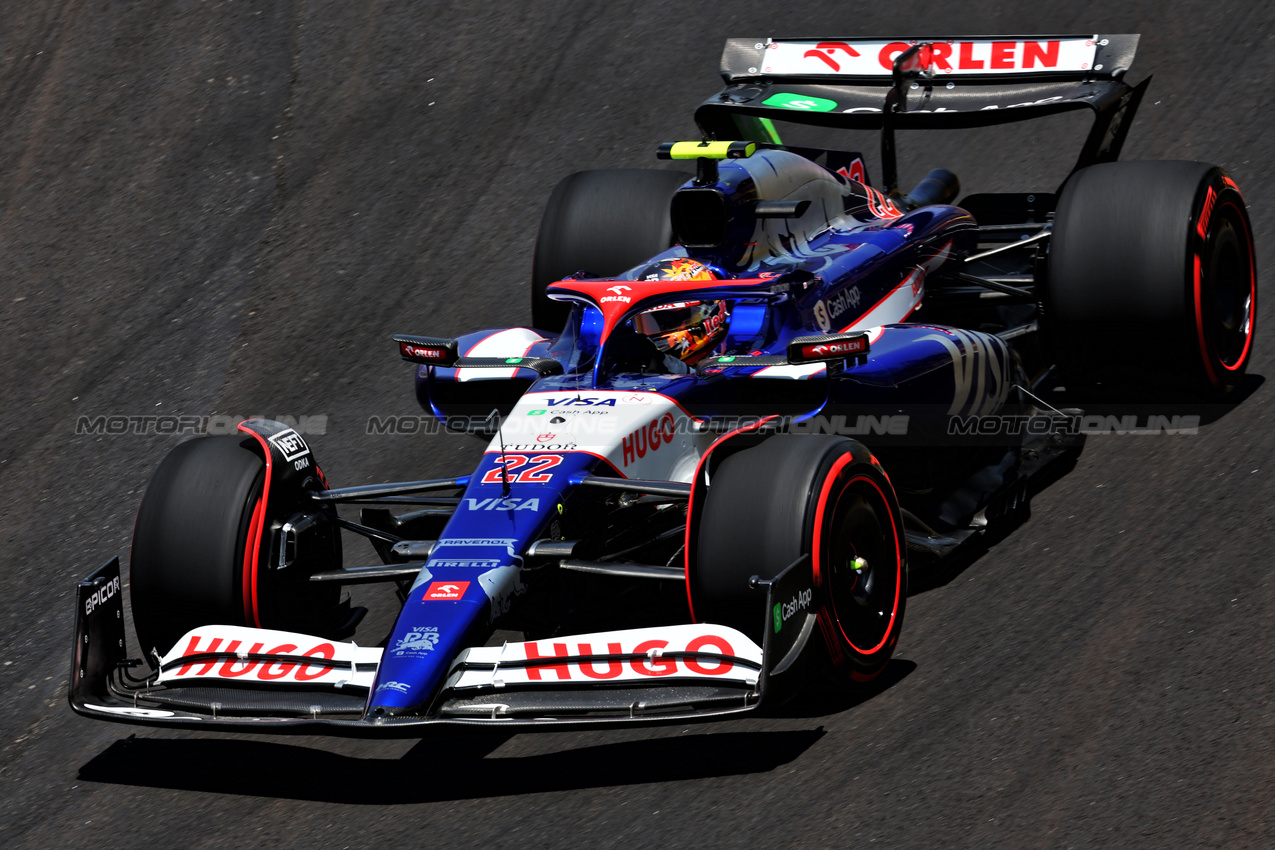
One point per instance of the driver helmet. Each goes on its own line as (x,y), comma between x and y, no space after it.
(687,330)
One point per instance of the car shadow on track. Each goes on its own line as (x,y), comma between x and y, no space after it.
(821,700)
(456,763)
(1116,416)
(932,575)
(926,574)
(1164,406)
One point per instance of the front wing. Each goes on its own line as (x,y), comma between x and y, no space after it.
(657,675)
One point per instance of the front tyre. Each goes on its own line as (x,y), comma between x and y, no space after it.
(817,494)
(197,554)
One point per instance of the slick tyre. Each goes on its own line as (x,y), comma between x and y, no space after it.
(1151,280)
(198,525)
(603,223)
(789,496)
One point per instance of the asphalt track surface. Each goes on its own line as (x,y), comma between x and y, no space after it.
(227,208)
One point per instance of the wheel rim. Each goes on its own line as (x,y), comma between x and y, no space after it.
(1226,289)
(862,599)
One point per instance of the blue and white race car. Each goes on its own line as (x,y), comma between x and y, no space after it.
(746,397)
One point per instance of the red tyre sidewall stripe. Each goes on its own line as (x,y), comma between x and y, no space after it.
(1252,293)
(1199,328)
(686,541)
(1205,353)
(816,551)
(252,547)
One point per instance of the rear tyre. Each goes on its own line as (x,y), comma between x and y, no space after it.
(603,223)
(1152,279)
(197,527)
(789,496)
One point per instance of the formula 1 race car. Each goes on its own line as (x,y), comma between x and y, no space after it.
(748,395)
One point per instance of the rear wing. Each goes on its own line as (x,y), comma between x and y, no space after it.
(966,81)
